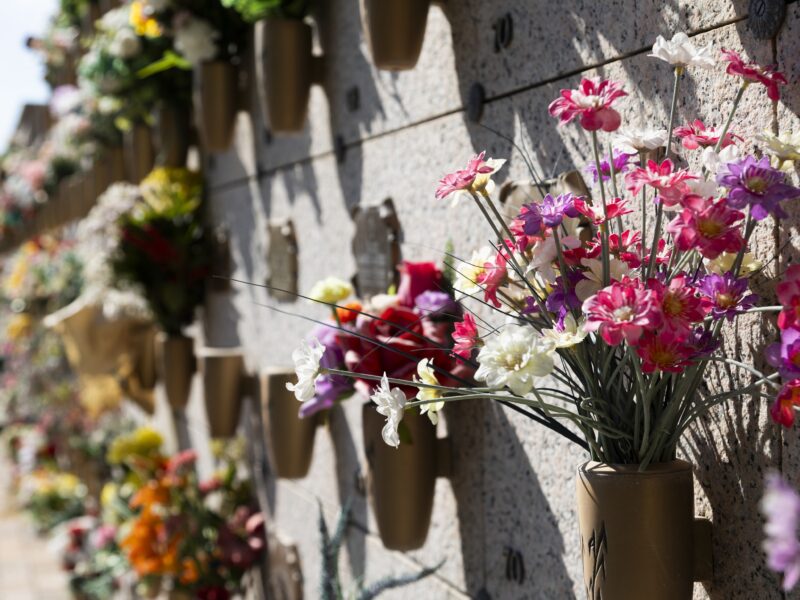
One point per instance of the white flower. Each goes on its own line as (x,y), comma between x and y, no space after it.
(707,188)
(126,44)
(712,161)
(428,376)
(380,302)
(680,52)
(306,364)
(631,141)
(391,404)
(544,255)
(785,146)
(515,357)
(330,290)
(469,271)
(594,275)
(196,40)
(572,334)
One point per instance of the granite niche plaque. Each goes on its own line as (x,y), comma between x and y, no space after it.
(282,260)
(376,247)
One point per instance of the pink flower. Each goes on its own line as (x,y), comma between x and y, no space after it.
(695,135)
(184,459)
(707,225)
(616,207)
(466,337)
(474,178)
(755,73)
(591,103)
(664,351)
(416,278)
(671,185)
(492,278)
(34,172)
(622,311)
(782,410)
(789,296)
(680,304)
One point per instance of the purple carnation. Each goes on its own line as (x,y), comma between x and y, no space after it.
(725,295)
(554,209)
(435,304)
(780,506)
(756,184)
(621,164)
(530,215)
(563,299)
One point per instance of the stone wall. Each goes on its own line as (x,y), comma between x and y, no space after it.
(513,483)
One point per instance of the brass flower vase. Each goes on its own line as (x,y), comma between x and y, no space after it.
(224,382)
(216,97)
(639,537)
(177,364)
(401,481)
(290,439)
(395,30)
(172,134)
(139,152)
(286,69)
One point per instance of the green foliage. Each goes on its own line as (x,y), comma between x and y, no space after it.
(255,10)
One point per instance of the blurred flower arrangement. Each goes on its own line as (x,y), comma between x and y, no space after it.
(255,10)
(163,248)
(52,497)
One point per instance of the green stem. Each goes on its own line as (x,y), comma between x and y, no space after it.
(727,126)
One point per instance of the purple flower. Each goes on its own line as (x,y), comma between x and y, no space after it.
(530,216)
(563,299)
(757,184)
(435,304)
(554,209)
(621,164)
(725,296)
(785,355)
(702,343)
(780,505)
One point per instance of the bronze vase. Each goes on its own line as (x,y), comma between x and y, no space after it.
(114,159)
(177,364)
(286,70)
(223,388)
(290,438)
(172,133)
(402,481)
(639,537)
(139,152)
(395,31)
(216,99)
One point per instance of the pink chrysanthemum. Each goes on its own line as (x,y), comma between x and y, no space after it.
(664,351)
(616,207)
(466,337)
(671,184)
(680,305)
(696,135)
(789,296)
(590,104)
(752,72)
(475,177)
(707,225)
(493,277)
(782,410)
(622,311)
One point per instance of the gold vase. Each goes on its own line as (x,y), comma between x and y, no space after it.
(177,364)
(139,153)
(216,96)
(223,387)
(172,134)
(286,70)
(402,481)
(395,30)
(639,538)
(290,438)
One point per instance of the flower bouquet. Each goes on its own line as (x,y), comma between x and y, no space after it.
(615,332)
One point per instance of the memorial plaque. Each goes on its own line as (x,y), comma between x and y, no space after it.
(285,579)
(282,261)
(376,247)
(220,260)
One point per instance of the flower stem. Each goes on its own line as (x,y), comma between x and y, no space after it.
(604,226)
(736,101)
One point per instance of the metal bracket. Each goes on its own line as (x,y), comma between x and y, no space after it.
(765,18)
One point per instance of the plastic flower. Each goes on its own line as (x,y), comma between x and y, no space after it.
(554,208)
(514,358)
(330,290)
(593,276)
(427,375)
(713,161)
(757,184)
(195,39)
(633,141)
(622,311)
(695,135)
(780,506)
(468,272)
(466,337)
(591,104)
(493,277)
(476,178)
(708,226)
(785,147)
(788,291)
(671,184)
(306,365)
(752,72)
(680,305)
(725,295)
(571,333)
(663,351)
(785,355)
(142,20)
(725,261)
(616,207)
(620,161)
(680,52)
(391,404)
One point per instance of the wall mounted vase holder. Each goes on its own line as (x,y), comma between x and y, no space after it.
(286,69)
(216,98)
(290,439)
(177,365)
(395,30)
(401,481)
(140,154)
(172,134)
(224,385)
(639,537)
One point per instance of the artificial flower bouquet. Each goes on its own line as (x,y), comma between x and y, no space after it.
(163,248)
(255,10)
(52,497)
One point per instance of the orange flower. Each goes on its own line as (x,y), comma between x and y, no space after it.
(348,312)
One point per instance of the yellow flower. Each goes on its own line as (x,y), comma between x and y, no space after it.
(167,187)
(330,290)
(724,263)
(142,22)
(19,326)
(428,376)
(144,442)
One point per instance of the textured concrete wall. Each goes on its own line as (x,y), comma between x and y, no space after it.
(513,486)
